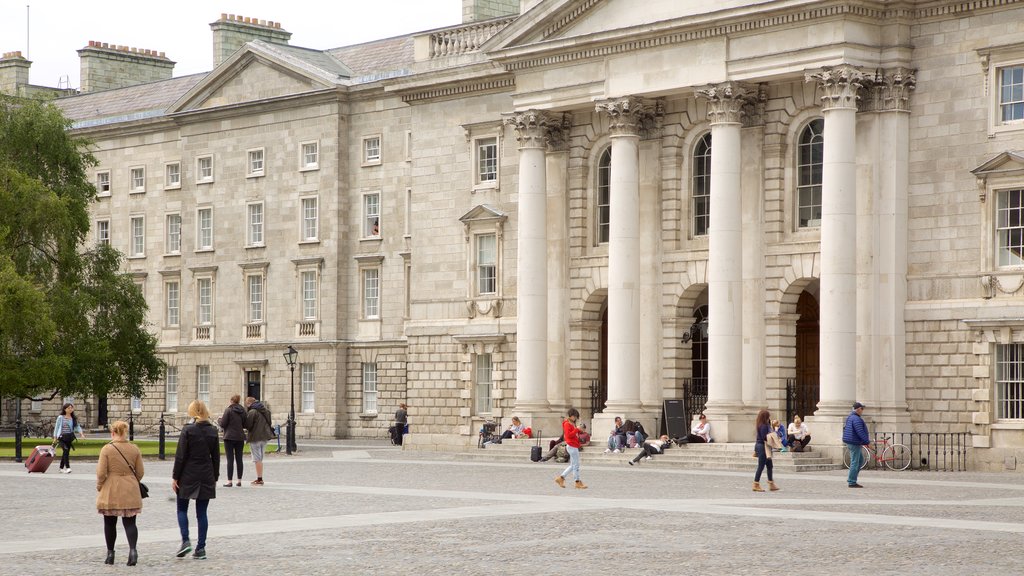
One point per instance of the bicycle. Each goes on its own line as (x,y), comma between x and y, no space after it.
(893,456)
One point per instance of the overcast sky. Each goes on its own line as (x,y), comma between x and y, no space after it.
(181,28)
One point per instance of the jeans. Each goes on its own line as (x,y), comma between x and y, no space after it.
(201,520)
(856,459)
(233,453)
(574,463)
(616,442)
(763,462)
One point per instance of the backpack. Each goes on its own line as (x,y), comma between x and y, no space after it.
(561,454)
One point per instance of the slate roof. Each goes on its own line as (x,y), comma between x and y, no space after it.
(378,59)
(131,103)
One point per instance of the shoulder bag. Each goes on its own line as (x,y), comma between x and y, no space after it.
(143,489)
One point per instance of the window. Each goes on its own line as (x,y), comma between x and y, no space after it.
(204,293)
(255,227)
(309,299)
(103,183)
(308,377)
(486,153)
(136,404)
(1010,382)
(371,293)
(1011,93)
(369,388)
(172,175)
(604,189)
(371,150)
(173,303)
(810,152)
(702,186)
(487,263)
(138,227)
(137,179)
(255,162)
(1010,227)
(483,384)
(310,159)
(204,169)
(255,299)
(204,229)
(203,383)
(102,232)
(310,219)
(171,389)
(174,233)
(371,212)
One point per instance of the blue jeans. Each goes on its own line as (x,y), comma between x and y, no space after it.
(763,462)
(856,459)
(201,520)
(574,463)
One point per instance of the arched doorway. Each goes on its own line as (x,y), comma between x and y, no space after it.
(803,393)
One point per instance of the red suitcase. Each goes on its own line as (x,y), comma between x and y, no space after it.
(40,460)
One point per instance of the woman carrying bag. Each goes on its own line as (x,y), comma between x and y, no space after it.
(65,430)
(118,475)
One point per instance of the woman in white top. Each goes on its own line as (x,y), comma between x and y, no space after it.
(701,432)
(797,435)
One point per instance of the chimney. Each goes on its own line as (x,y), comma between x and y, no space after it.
(477,10)
(105,66)
(13,73)
(231,32)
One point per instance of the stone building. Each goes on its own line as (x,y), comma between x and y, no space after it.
(591,203)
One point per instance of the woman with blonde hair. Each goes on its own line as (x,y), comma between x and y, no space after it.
(196,470)
(118,473)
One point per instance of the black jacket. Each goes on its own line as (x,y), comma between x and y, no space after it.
(233,421)
(197,461)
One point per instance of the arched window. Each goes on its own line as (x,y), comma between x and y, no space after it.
(604,189)
(701,208)
(809,169)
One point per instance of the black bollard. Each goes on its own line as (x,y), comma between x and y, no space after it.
(163,437)
(17,433)
(131,426)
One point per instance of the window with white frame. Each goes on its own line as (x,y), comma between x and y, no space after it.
(255,163)
(103,183)
(308,377)
(255,224)
(102,232)
(174,233)
(809,170)
(35,406)
(203,383)
(483,383)
(371,293)
(310,219)
(172,175)
(310,156)
(1010,227)
(1011,93)
(204,297)
(137,179)
(171,389)
(309,295)
(485,152)
(701,193)
(138,228)
(604,194)
(1009,393)
(204,169)
(369,388)
(486,263)
(371,215)
(255,289)
(173,297)
(204,229)
(371,149)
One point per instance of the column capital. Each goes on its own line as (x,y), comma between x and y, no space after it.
(890,90)
(532,127)
(727,100)
(630,116)
(839,85)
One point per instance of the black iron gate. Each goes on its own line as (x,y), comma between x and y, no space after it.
(695,396)
(801,398)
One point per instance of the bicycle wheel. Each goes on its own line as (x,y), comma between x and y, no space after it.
(865,455)
(896,457)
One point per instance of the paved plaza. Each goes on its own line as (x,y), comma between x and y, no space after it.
(351,507)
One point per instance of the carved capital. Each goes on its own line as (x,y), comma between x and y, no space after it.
(890,90)
(532,127)
(727,101)
(629,116)
(839,85)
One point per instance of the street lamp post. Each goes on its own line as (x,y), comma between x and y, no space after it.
(290,357)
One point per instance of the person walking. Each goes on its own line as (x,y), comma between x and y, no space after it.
(572,445)
(65,431)
(762,428)
(195,474)
(257,422)
(118,474)
(401,419)
(233,424)
(855,435)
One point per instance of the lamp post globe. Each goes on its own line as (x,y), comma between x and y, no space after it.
(291,356)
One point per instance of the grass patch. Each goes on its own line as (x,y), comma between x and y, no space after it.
(90,447)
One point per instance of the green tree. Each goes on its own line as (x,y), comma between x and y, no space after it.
(70,321)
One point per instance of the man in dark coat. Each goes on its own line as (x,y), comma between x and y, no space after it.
(855,435)
(401,419)
(257,422)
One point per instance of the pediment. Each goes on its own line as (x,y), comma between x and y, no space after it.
(1008,163)
(483,213)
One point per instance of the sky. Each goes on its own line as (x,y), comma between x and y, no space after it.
(181,28)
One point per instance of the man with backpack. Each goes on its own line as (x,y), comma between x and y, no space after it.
(257,423)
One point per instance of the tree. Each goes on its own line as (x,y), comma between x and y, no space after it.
(70,321)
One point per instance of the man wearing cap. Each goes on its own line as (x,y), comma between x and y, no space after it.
(855,435)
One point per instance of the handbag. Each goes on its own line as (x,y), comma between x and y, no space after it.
(143,489)
(771,442)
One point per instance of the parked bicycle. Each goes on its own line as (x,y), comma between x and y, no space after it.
(882,452)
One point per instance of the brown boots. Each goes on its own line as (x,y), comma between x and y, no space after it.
(580,485)
(771,486)
(757,487)
(560,481)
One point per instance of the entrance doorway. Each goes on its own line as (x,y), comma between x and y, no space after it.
(253,383)
(804,392)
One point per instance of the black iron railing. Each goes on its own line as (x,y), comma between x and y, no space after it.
(695,396)
(801,397)
(933,451)
(596,393)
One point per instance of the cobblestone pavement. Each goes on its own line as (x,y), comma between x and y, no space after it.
(352,507)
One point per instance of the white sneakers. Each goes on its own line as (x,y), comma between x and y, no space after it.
(607,450)
(616,451)
(65,470)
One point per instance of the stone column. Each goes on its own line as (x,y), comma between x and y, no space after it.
(838,324)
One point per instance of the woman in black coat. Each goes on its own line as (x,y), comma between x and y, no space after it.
(233,422)
(196,470)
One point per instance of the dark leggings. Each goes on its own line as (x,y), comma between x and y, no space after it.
(65,457)
(233,452)
(762,462)
(791,440)
(130,530)
(646,450)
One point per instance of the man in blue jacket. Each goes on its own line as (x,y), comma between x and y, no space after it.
(855,435)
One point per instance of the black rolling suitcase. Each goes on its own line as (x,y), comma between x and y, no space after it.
(535,452)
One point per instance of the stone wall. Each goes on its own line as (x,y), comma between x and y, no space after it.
(105,66)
